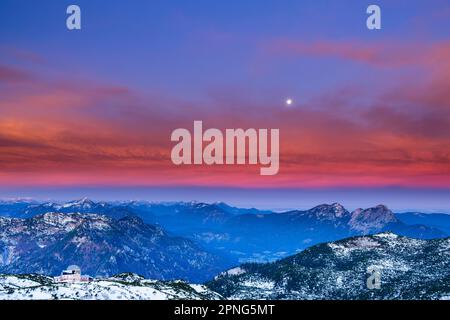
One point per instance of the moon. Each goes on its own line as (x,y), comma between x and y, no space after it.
(289,101)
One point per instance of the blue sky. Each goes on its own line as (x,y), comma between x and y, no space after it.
(92,110)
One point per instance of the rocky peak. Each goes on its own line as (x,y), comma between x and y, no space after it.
(371,219)
(83,203)
(333,211)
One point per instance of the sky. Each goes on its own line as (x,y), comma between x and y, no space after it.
(92,110)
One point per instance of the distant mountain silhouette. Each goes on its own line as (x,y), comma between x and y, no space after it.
(247,234)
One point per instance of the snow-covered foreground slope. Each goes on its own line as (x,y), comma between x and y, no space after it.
(120,287)
(408,269)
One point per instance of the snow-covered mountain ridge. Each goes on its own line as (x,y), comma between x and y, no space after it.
(408,268)
(120,287)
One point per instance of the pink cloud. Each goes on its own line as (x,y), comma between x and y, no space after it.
(385,54)
(95,133)
(13,75)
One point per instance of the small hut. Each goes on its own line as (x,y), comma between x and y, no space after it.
(72,274)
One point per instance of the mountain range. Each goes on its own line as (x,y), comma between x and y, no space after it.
(101,246)
(246,235)
(439,221)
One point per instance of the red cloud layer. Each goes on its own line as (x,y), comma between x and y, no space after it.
(58,133)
